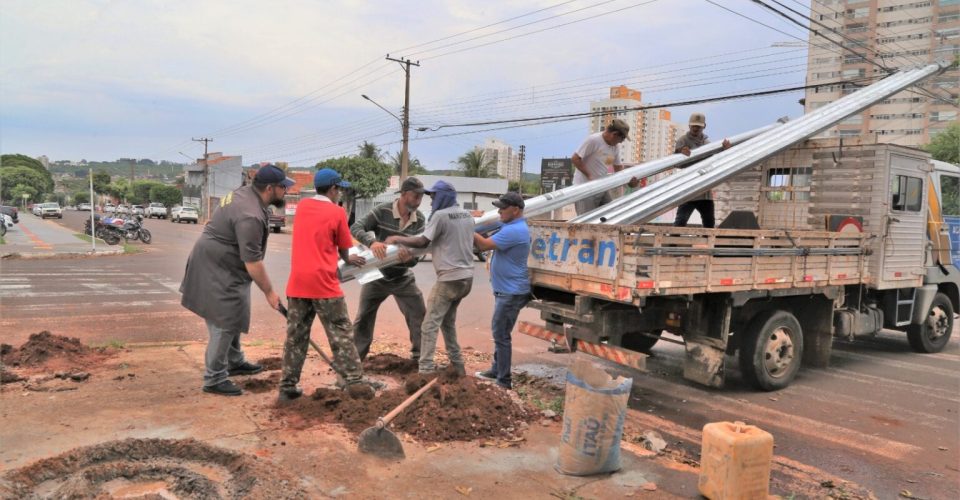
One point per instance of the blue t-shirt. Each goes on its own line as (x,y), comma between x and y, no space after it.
(508,269)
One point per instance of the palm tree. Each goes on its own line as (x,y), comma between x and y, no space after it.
(369,150)
(474,163)
(414,167)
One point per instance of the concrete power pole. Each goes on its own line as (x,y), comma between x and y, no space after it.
(520,158)
(405,153)
(204,194)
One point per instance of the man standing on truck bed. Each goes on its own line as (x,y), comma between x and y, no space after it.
(509,279)
(449,233)
(594,157)
(693,139)
(223,262)
(397,218)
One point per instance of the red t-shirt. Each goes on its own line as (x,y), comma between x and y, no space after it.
(319,232)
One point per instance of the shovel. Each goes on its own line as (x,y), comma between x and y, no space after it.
(378,440)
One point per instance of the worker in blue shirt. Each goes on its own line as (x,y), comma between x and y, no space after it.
(510,281)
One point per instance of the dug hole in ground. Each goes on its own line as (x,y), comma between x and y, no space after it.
(131,421)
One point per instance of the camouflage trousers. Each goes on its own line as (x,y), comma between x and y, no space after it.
(445,297)
(336,323)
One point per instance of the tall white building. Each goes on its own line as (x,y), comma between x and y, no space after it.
(506,160)
(652,134)
(898,34)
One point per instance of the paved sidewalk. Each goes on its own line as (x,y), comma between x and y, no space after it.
(35,238)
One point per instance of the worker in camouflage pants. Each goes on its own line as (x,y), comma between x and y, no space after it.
(336,322)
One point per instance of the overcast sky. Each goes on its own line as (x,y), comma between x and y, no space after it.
(282,80)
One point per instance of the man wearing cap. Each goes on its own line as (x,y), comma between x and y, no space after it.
(596,155)
(397,218)
(703,204)
(225,259)
(320,238)
(449,234)
(509,279)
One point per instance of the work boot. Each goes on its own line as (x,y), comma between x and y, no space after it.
(487,375)
(459,369)
(225,388)
(360,390)
(246,368)
(288,395)
(376,384)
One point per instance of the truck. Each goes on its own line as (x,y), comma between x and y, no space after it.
(156,210)
(831,238)
(277,221)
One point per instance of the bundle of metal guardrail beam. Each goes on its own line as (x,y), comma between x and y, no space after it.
(563,197)
(646,203)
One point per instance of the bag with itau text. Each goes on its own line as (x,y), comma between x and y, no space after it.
(595,407)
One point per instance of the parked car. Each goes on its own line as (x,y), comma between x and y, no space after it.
(184,214)
(157,210)
(123,210)
(137,210)
(7,222)
(35,209)
(11,212)
(277,221)
(83,207)
(51,210)
(109,208)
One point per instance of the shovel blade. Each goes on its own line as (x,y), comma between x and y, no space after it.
(380,442)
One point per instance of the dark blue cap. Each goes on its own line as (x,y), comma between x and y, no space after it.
(326,177)
(271,174)
(441,186)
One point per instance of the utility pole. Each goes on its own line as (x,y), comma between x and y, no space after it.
(205,200)
(405,153)
(520,158)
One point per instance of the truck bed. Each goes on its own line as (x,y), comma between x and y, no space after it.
(627,263)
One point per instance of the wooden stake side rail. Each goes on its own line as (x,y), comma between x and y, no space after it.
(618,355)
(665,260)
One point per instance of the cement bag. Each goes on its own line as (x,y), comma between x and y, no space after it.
(594,409)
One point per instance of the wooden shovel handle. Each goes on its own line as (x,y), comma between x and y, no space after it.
(413,397)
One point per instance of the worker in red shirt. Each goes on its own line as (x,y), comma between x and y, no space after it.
(321,236)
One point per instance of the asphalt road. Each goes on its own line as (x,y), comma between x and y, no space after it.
(881,417)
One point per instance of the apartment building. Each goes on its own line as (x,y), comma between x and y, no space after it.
(896,34)
(504,156)
(652,134)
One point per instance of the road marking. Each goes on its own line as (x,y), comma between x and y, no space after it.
(85,293)
(88,305)
(15,287)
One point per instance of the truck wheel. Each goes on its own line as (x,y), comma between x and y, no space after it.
(771,350)
(639,341)
(933,334)
(276,229)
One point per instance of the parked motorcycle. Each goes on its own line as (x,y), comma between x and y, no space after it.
(134,230)
(105,231)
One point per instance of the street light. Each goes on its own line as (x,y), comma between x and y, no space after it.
(405,128)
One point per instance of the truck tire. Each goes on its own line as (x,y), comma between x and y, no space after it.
(771,350)
(934,333)
(276,229)
(637,341)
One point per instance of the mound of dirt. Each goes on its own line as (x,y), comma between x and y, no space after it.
(272,363)
(150,468)
(390,364)
(44,348)
(8,377)
(257,385)
(455,409)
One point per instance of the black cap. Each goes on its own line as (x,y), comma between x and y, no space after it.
(510,199)
(412,184)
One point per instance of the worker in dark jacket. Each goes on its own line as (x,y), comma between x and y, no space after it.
(399,217)
(224,261)
(693,139)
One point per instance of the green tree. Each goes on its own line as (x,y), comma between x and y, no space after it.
(474,163)
(17,192)
(24,161)
(945,146)
(368,177)
(141,191)
(25,176)
(168,195)
(414,166)
(81,197)
(369,150)
(101,180)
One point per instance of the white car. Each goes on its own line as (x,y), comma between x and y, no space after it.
(83,207)
(35,210)
(123,210)
(51,210)
(136,210)
(109,208)
(184,214)
(157,210)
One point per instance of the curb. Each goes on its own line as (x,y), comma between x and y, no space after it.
(57,255)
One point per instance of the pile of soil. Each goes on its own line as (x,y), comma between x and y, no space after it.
(8,377)
(45,348)
(257,385)
(455,409)
(150,468)
(389,364)
(272,363)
